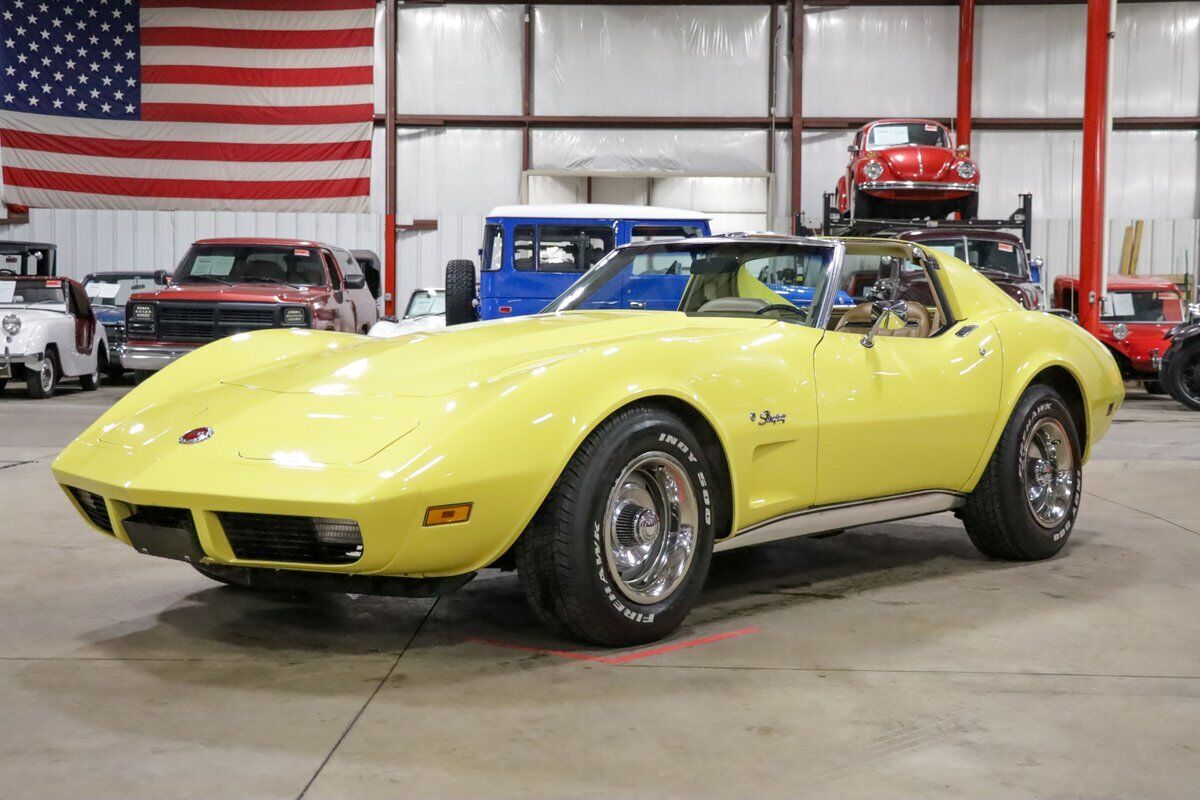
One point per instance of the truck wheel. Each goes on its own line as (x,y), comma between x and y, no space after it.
(1025,504)
(140,375)
(1154,387)
(620,549)
(460,292)
(1183,377)
(40,385)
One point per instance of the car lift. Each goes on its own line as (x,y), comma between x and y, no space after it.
(836,224)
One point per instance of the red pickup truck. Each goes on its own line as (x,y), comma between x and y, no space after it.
(228,286)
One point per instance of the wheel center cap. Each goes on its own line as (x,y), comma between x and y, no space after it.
(1043,472)
(646,527)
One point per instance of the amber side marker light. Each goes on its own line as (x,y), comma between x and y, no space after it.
(447,515)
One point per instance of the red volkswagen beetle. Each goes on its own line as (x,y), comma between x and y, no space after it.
(907,168)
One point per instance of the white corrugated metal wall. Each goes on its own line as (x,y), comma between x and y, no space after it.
(711,61)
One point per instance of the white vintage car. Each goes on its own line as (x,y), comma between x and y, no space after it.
(50,333)
(426,311)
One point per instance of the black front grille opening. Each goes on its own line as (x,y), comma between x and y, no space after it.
(302,540)
(163,517)
(93,505)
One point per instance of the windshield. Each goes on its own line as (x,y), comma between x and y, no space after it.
(775,280)
(425,304)
(899,134)
(232,263)
(1152,306)
(982,253)
(28,293)
(114,290)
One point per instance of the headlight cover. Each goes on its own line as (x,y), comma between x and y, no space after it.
(142,312)
(966,170)
(295,316)
(1120,331)
(12,324)
(873,170)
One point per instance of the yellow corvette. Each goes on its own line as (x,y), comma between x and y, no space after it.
(606,453)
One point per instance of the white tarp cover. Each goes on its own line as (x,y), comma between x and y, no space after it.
(459,59)
(651,60)
(712,152)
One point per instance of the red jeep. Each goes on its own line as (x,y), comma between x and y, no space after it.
(905,169)
(1138,313)
(228,286)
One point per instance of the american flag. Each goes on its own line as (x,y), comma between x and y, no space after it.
(187,104)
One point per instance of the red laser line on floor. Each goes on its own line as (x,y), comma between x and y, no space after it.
(624,658)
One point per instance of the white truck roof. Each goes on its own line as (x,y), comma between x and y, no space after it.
(596,211)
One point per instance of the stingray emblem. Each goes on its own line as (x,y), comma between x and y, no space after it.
(767,418)
(196,435)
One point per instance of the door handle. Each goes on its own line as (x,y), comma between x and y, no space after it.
(636,304)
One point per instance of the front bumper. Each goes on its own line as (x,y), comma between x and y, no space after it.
(917,186)
(151,358)
(32,361)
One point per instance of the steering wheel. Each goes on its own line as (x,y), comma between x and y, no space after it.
(784,307)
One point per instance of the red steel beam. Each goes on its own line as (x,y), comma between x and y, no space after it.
(797,119)
(966,61)
(527,90)
(811,123)
(1095,142)
(391,42)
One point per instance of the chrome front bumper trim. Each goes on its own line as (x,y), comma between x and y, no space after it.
(150,358)
(31,361)
(930,186)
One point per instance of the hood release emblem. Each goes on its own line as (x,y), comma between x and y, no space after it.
(196,435)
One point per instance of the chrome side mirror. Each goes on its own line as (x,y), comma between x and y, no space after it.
(880,311)
(852,150)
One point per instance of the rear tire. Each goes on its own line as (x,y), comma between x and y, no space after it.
(1182,376)
(460,292)
(1154,387)
(619,551)
(1024,507)
(41,385)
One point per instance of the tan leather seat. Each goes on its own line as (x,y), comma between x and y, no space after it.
(918,326)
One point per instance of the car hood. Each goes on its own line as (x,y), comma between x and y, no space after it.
(109,315)
(917,163)
(436,363)
(240,293)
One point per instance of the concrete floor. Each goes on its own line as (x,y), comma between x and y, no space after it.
(889,662)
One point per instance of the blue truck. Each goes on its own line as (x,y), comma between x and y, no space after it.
(531,254)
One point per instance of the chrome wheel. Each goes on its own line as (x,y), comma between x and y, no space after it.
(46,376)
(1048,472)
(650,527)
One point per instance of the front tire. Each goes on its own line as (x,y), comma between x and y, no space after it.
(1182,377)
(41,385)
(619,551)
(91,383)
(1024,507)
(969,209)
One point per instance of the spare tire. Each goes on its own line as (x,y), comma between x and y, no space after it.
(460,292)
